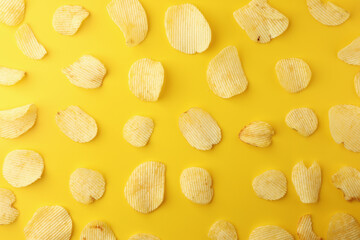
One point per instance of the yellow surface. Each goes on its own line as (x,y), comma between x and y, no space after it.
(232,163)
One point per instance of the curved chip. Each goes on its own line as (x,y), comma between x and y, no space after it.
(137,130)
(49,222)
(258,134)
(357,83)
(143,236)
(187,29)
(130,17)
(343,226)
(97,230)
(9,76)
(68,19)
(76,124)
(222,230)
(22,167)
(327,13)
(8,213)
(199,129)
(351,53)
(305,229)
(146,78)
(145,187)
(270,232)
(347,179)
(28,44)
(303,120)
(12,12)
(270,185)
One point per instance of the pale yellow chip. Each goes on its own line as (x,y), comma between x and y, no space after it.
(225,75)
(130,17)
(49,222)
(28,44)
(199,129)
(10,76)
(87,72)
(351,53)
(357,83)
(146,79)
(76,124)
(12,12)
(302,120)
(97,230)
(222,230)
(187,29)
(260,21)
(327,13)
(17,121)
(343,226)
(68,19)
(270,232)
(145,187)
(8,213)
(137,130)
(294,74)
(347,179)
(305,229)
(307,181)
(258,134)
(143,236)
(270,185)
(22,167)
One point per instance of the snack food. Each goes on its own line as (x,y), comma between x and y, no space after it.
(137,130)
(68,19)
(97,230)
(28,44)
(8,212)
(270,185)
(258,134)
(347,179)
(327,13)
(12,12)
(222,230)
(302,120)
(10,76)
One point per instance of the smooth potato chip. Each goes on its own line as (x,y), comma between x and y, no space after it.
(357,83)
(351,53)
(303,120)
(187,29)
(8,213)
(97,230)
(305,229)
(9,76)
(28,44)
(146,78)
(130,17)
(343,226)
(327,13)
(68,19)
(143,236)
(270,232)
(137,130)
(145,187)
(222,230)
(347,179)
(270,185)
(12,12)
(199,129)
(258,134)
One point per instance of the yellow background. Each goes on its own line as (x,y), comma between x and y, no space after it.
(232,163)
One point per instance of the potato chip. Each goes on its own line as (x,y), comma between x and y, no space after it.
(196,185)
(17,121)
(9,76)
(28,44)
(307,181)
(76,124)
(302,120)
(343,226)
(305,229)
(347,179)
(260,21)
(68,19)
(270,185)
(49,222)
(8,213)
(12,12)
(23,167)
(294,74)
(146,78)
(143,236)
(351,53)
(270,232)
(87,72)
(137,130)
(222,230)
(258,134)
(130,17)
(225,75)
(97,230)
(327,13)
(187,29)
(357,83)
(199,129)
(145,187)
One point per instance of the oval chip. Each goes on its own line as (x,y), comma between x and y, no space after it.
(8,213)
(343,226)
(222,230)
(303,120)
(28,44)
(68,19)
(327,13)
(137,130)
(9,76)
(347,179)
(270,185)
(351,53)
(270,232)
(12,12)
(97,230)
(305,229)
(143,236)
(258,134)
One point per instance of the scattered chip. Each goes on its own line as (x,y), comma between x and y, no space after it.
(137,130)
(327,13)
(270,185)
(130,17)
(347,179)
(343,226)
(76,124)
(146,78)
(187,29)
(97,230)
(68,19)
(305,229)
(9,76)
(143,236)
(28,44)
(357,83)
(258,134)
(303,120)
(8,213)
(270,232)
(222,230)
(351,53)
(199,129)
(12,12)
(145,187)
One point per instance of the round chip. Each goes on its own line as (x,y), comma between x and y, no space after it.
(351,53)
(12,12)
(97,230)
(270,232)
(347,179)
(343,226)
(305,229)
(303,120)
(137,130)
(9,76)
(258,134)
(143,236)
(8,213)
(222,230)
(28,44)
(270,185)
(327,13)
(357,83)
(67,19)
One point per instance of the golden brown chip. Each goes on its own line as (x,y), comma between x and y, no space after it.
(327,13)
(143,236)
(305,229)
(137,130)
(343,226)
(270,232)
(187,29)
(222,230)
(199,129)
(270,185)
(8,213)
(347,179)
(351,53)
(303,120)
(9,76)
(28,44)
(130,17)
(97,230)
(146,78)
(145,187)
(12,12)
(357,83)
(67,19)
(258,134)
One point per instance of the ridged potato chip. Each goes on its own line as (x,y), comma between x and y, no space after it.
(307,181)
(145,187)
(294,74)
(199,129)
(137,130)
(12,12)
(68,19)
(87,72)
(87,185)
(76,124)
(22,167)
(305,229)
(146,78)
(17,121)
(97,230)
(327,13)
(302,120)
(143,236)
(28,44)
(351,53)
(347,179)
(187,29)
(10,76)
(8,213)
(343,226)
(222,230)
(196,184)
(260,21)
(130,17)
(49,222)
(357,83)
(270,232)
(225,75)
(258,134)
(270,185)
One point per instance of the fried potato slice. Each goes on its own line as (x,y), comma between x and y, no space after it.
(67,19)
(12,12)
(347,179)
(10,76)
(351,53)
(327,13)
(28,44)
(17,121)
(49,222)
(222,230)
(130,17)
(97,230)
(343,226)
(270,232)
(87,72)
(258,134)
(302,120)
(143,236)
(76,124)
(145,187)
(137,130)
(305,229)
(199,129)
(270,185)
(357,83)
(8,213)
(187,29)
(307,181)
(146,79)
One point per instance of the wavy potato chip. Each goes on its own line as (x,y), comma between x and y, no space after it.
(305,229)
(28,44)
(258,134)
(9,76)
(357,83)
(143,236)
(347,179)
(327,13)
(270,232)
(351,53)
(270,185)
(137,130)
(8,213)
(302,120)
(68,19)
(187,29)
(97,230)
(343,226)
(12,12)
(222,230)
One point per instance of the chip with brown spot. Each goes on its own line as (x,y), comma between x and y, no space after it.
(143,236)
(97,230)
